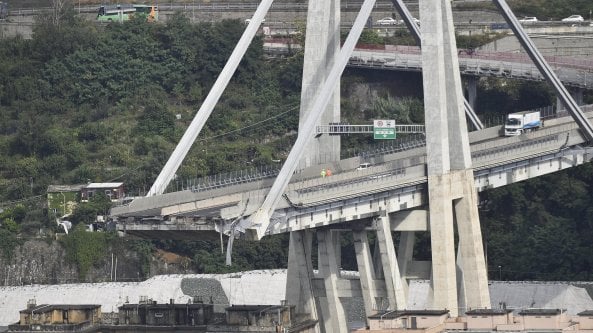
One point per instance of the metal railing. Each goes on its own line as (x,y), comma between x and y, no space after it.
(270,171)
(516,146)
(227,179)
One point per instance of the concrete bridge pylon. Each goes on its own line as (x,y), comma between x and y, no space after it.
(322,46)
(450,176)
(455,284)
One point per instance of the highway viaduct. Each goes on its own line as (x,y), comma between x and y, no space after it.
(416,190)
(441,179)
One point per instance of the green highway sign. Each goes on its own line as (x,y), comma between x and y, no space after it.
(384,129)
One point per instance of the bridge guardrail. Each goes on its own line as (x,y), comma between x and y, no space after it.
(255,174)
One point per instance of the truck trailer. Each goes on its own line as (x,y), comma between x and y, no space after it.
(519,122)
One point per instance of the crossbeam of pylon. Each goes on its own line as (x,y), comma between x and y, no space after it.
(192,132)
(415,31)
(545,69)
(261,219)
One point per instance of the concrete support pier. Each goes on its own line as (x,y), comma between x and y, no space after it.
(450,177)
(577,95)
(396,287)
(367,272)
(333,316)
(299,275)
(472,90)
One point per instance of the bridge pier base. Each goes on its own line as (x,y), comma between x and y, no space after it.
(319,296)
(443,283)
(472,275)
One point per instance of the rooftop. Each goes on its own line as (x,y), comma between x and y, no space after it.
(397,314)
(50,307)
(166,306)
(259,308)
(488,312)
(104,185)
(540,312)
(64,188)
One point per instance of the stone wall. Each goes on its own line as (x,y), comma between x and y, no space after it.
(44,262)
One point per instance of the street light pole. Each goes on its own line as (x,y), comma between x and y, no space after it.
(499,273)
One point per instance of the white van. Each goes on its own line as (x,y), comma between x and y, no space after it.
(363,166)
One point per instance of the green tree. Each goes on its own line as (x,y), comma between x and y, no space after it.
(85,249)
(86,212)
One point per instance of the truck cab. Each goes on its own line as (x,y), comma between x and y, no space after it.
(520,122)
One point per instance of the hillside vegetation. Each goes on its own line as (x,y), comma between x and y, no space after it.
(81,103)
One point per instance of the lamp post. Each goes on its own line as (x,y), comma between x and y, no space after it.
(499,273)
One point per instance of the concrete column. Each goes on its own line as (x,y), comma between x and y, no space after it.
(377,262)
(395,285)
(559,105)
(577,95)
(472,90)
(333,318)
(367,272)
(473,278)
(444,282)
(406,251)
(460,154)
(448,157)
(299,290)
(322,43)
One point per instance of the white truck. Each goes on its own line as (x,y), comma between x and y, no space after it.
(520,122)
